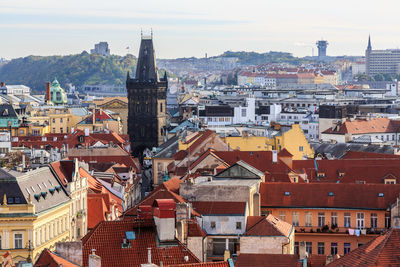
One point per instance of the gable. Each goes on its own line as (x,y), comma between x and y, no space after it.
(240,170)
(114,104)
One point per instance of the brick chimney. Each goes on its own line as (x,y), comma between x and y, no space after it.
(48,92)
(164,218)
(2,84)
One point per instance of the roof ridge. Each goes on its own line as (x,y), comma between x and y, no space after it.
(260,219)
(274,225)
(383,244)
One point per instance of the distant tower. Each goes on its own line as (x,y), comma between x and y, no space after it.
(147,95)
(322,44)
(367,56)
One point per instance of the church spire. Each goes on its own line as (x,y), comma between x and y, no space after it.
(146,68)
(369,48)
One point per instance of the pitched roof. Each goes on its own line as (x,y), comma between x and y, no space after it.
(219,207)
(50,259)
(267,260)
(358,126)
(267,226)
(203,264)
(111,251)
(64,170)
(194,229)
(384,250)
(342,195)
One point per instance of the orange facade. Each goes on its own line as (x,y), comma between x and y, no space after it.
(326,231)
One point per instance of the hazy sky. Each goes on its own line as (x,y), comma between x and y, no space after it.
(184,28)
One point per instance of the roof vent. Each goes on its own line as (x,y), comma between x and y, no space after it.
(287,193)
(380,195)
(331,194)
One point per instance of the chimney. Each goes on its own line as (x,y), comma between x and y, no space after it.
(94,260)
(227,253)
(274,156)
(302,250)
(23,162)
(2,84)
(164,218)
(48,92)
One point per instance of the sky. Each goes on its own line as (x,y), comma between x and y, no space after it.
(185,28)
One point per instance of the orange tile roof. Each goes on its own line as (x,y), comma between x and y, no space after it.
(383,250)
(50,259)
(267,226)
(359,126)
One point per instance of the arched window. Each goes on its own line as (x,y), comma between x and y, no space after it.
(161,107)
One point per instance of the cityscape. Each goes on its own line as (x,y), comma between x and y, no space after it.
(116,154)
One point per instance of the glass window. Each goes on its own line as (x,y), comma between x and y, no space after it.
(17,241)
(347,219)
(295,218)
(321,248)
(300,148)
(308,220)
(244,112)
(387,221)
(238,225)
(346,248)
(282,216)
(212,225)
(334,219)
(321,219)
(374,220)
(309,248)
(360,220)
(333,248)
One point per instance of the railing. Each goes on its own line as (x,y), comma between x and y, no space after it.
(336,230)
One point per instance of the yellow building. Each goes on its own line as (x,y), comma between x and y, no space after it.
(293,140)
(34,213)
(58,120)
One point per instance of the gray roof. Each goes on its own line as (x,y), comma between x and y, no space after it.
(168,149)
(39,182)
(366,139)
(7,110)
(338,150)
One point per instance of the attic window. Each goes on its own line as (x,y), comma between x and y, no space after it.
(380,195)
(17,200)
(287,193)
(44,194)
(331,194)
(10,200)
(356,128)
(5,112)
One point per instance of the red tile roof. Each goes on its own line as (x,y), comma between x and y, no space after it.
(219,207)
(194,229)
(50,259)
(203,264)
(359,126)
(267,226)
(365,155)
(107,238)
(299,195)
(284,153)
(267,260)
(64,170)
(383,250)
(167,190)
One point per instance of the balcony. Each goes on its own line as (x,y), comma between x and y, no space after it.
(336,230)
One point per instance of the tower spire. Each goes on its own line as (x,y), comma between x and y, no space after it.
(369,43)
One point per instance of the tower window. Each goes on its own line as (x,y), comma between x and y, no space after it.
(161,107)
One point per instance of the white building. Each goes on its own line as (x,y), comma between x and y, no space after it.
(5,143)
(246,114)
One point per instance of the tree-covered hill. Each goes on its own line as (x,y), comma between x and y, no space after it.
(254,58)
(81,69)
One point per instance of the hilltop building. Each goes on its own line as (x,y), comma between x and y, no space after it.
(101,49)
(147,95)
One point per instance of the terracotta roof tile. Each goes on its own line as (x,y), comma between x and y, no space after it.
(383,250)
(203,264)
(50,259)
(107,238)
(219,207)
(267,260)
(267,226)
(298,195)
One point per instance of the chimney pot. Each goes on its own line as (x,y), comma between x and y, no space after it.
(149,255)
(2,84)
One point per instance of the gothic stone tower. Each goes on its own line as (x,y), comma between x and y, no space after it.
(147,95)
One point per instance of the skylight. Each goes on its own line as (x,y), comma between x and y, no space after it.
(287,193)
(380,195)
(130,235)
(331,194)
